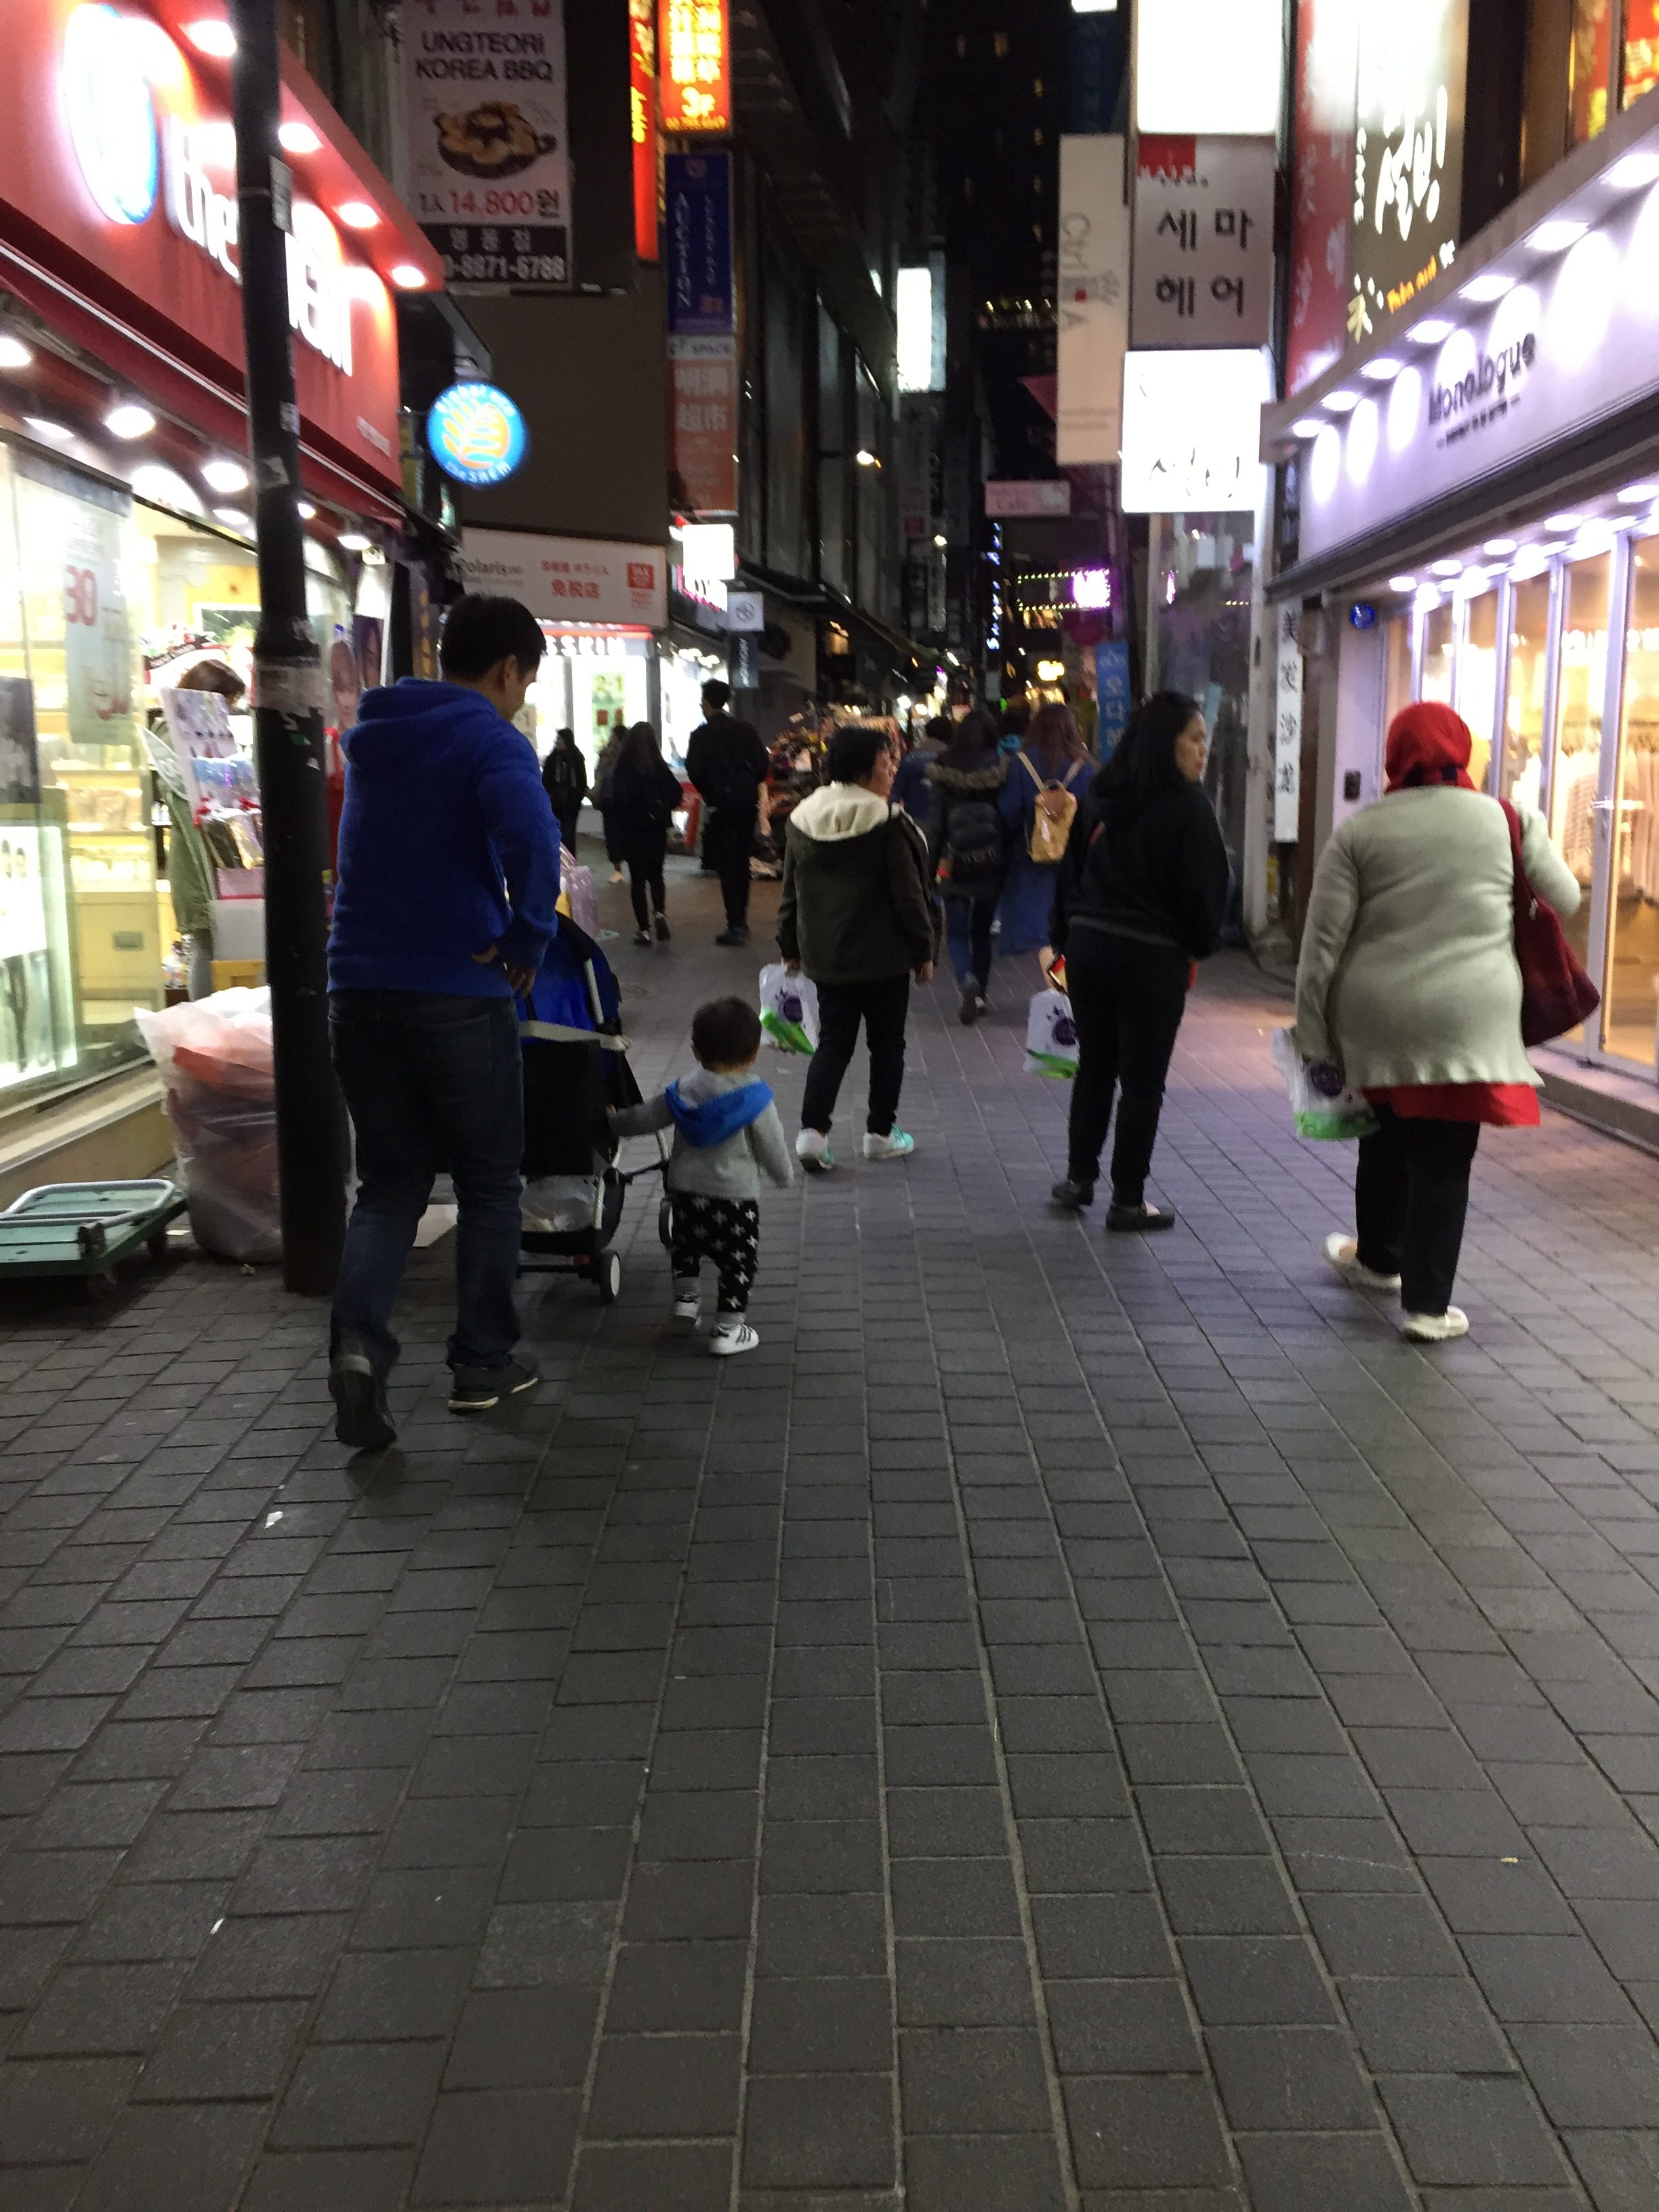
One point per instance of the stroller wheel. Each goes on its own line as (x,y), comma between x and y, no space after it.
(666,1222)
(607,1273)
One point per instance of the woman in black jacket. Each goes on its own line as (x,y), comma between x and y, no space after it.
(970,846)
(640,803)
(1140,900)
(564,779)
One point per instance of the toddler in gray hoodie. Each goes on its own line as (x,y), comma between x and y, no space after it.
(726,1132)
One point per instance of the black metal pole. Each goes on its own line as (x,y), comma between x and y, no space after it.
(288,680)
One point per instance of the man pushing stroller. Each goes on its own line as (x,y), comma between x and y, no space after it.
(726,1131)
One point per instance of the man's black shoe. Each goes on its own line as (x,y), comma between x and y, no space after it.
(361,1418)
(736,933)
(1072,1195)
(476,1389)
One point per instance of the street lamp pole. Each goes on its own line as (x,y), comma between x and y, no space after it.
(288,687)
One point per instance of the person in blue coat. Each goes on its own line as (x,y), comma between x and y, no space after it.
(1047,777)
(448,891)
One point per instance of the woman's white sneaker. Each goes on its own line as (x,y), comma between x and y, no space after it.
(1436,1329)
(813,1151)
(896,1144)
(732,1336)
(1342,1253)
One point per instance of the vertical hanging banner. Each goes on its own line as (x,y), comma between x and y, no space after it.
(1092,300)
(1408,157)
(642,123)
(488,146)
(698,243)
(702,347)
(694,63)
(1287,730)
(703,378)
(1327,64)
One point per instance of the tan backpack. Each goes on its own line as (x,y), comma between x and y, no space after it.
(1051,825)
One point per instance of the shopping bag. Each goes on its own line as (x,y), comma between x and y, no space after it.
(1050,1036)
(214,1058)
(788,1010)
(1338,1118)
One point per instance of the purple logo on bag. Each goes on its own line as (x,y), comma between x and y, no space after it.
(1064,1030)
(790,1007)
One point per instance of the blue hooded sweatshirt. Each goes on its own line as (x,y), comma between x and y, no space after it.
(447,846)
(707,1121)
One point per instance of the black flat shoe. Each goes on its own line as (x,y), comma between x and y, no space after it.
(737,934)
(1072,1195)
(662,929)
(642,936)
(1138,1219)
(361,1419)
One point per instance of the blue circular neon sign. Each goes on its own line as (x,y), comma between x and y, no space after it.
(476,434)
(111,112)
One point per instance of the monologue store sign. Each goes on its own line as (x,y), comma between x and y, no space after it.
(1567,350)
(118,172)
(569,579)
(489,147)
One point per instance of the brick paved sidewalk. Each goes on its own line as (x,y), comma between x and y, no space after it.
(1065,1724)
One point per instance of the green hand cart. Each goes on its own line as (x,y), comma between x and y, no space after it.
(85,1230)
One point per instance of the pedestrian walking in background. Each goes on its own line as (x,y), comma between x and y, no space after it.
(727,1135)
(911,789)
(970,850)
(1408,985)
(604,768)
(644,792)
(857,916)
(449,884)
(1047,775)
(1140,900)
(564,779)
(727,764)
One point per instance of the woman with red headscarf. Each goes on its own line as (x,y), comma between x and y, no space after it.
(1408,984)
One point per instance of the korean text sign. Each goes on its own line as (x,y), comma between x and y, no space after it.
(1203,242)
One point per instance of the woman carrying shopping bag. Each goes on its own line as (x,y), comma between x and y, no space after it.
(970,846)
(1141,896)
(1048,774)
(1409,987)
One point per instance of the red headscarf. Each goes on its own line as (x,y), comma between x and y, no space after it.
(1427,744)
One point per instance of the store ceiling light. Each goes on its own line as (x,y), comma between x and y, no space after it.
(14,354)
(166,488)
(1402,583)
(357,214)
(939,539)
(1557,235)
(1499,548)
(1634,494)
(1306,426)
(1447,567)
(407,277)
(866,458)
(1342,403)
(1564,522)
(307,511)
(49,432)
(1490,284)
(1382,370)
(298,138)
(224,476)
(1635,170)
(129,420)
(212,35)
(353,541)
(1434,330)
(234,519)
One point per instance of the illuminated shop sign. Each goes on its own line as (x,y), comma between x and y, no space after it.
(694,51)
(128,101)
(476,434)
(1407,155)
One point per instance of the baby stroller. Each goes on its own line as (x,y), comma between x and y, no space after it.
(576,1067)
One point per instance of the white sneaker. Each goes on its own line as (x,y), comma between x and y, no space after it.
(1436,1329)
(896,1144)
(813,1151)
(688,1304)
(1342,1253)
(733,1335)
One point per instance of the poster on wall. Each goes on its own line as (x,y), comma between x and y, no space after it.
(97,640)
(19,750)
(484,101)
(1321,210)
(1408,156)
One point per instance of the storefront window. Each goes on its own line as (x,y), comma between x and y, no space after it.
(1630,997)
(594,686)
(1477,682)
(1436,679)
(1641,53)
(1522,766)
(1588,67)
(1581,688)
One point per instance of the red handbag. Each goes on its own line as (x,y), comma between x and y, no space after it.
(1556,995)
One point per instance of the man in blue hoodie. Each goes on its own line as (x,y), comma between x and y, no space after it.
(448,882)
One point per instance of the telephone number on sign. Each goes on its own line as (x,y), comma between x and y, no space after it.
(506,268)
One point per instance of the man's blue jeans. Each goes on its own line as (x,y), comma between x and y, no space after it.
(432,1082)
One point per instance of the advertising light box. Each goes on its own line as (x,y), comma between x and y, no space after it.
(1192,431)
(1212,67)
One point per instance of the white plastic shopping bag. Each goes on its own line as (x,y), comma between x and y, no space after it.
(1050,1036)
(788,1010)
(1339,1118)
